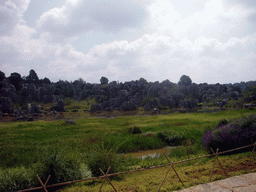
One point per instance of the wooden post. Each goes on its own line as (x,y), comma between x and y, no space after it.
(221,165)
(107,178)
(43,185)
(174,170)
(251,156)
(213,163)
(166,174)
(104,179)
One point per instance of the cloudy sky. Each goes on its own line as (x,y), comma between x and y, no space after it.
(211,41)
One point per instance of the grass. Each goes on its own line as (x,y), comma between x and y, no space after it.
(20,142)
(192,173)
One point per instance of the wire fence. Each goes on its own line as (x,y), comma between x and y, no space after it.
(105,176)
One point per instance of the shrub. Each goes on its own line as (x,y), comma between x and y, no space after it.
(222,122)
(134,130)
(14,179)
(139,142)
(53,162)
(149,134)
(239,132)
(103,156)
(171,137)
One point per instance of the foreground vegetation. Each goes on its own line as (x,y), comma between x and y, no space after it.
(31,147)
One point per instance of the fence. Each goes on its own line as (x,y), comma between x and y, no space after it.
(105,176)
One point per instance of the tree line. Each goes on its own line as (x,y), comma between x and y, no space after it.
(125,96)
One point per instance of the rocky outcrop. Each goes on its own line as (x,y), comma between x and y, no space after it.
(60,106)
(6,105)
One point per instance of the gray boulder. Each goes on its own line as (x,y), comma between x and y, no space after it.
(70,121)
(33,108)
(6,105)
(95,108)
(60,106)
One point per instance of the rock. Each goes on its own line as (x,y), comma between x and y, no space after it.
(156,111)
(53,112)
(59,107)
(182,110)
(49,99)
(21,118)
(6,105)
(30,119)
(70,121)
(96,108)
(33,108)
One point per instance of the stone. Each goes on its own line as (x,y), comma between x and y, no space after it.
(155,111)
(6,105)
(59,106)
(70,121)
(30,119)
(33,108)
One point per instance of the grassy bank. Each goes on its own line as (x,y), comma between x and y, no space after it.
(24,143)
(20,141)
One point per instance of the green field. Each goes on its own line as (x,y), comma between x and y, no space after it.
(24,143)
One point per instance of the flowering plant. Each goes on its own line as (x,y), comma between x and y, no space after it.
(234,134)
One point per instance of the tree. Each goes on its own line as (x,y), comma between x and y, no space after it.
(16,80)
(2,76)
(185,80)
(32,77)
(46,81)
(143,80)
(193,90)
(103,80)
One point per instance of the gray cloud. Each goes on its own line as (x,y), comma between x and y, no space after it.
(246,3)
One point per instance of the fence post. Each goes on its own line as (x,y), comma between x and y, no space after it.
(43,185)
(216,158)
(213,163)
(107,178)
(104,178)
(251,156)
(166,174)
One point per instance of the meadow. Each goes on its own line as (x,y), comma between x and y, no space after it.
(23,144)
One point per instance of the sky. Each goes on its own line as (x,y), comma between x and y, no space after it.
(211,41)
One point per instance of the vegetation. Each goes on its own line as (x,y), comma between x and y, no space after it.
(226,136)
(72,151)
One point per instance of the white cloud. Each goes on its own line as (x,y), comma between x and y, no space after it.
(77,16)
(210,46)
(11,12)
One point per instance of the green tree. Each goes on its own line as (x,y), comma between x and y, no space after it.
(104,80)
(16,80)
(32,77)
(2,76)
(185,80)
(46,80)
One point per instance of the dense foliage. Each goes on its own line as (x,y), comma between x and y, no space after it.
(226,136)
(103,156)
(171,137)
(127,96)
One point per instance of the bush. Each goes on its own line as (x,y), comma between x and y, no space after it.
(103,156)
(171,137)
(53,162)
(134,130)
(222,122)
(14,179)
(239,132)
(139,142)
